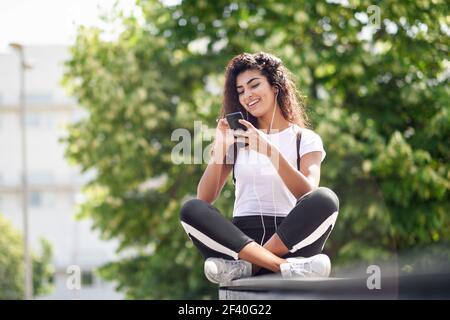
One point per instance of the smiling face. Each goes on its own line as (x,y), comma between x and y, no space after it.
(255,93)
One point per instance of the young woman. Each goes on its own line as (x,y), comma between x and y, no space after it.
(281,216)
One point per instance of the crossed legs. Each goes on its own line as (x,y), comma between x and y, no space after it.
(308,225)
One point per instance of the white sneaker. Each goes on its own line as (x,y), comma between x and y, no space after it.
(315,266)
(219,270)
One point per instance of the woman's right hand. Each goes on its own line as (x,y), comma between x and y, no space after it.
(224,137)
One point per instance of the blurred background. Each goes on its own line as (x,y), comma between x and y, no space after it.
(91,92)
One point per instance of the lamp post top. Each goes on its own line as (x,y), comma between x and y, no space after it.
(16,45)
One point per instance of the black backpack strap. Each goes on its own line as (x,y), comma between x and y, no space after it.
(235,150)
(299,139)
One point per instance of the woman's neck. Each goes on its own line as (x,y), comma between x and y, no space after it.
(279,122)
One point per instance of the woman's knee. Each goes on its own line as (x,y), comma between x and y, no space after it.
(322,197)
(191,209)
(329,195)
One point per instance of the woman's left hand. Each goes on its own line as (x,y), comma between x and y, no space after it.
(255,138)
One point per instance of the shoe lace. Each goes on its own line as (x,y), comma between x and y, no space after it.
(301,268)
(235,268)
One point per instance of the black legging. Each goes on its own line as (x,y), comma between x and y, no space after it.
(303,231)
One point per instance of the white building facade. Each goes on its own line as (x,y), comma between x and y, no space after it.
(54,186)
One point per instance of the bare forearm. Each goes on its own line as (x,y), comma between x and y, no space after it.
(209,183)
(297,183)
(213,178)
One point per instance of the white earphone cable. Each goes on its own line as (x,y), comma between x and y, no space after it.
(259,203)
(260,210)
(272,183)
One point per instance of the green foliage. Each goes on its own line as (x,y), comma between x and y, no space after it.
(11,264)
(379,99)
(43,270)
(11,260)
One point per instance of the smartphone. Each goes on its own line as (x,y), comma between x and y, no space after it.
(233,120)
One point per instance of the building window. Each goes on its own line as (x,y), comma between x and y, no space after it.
(39,98)
(40,120)
(32,119)
(41,199)
(42,177)
(35,199)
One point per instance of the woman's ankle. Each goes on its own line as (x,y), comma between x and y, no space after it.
(255,269)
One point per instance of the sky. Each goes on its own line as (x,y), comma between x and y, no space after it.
(31,22)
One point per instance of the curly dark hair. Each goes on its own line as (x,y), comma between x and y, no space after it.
(291,102)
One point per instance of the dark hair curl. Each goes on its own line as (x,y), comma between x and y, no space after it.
(291,102)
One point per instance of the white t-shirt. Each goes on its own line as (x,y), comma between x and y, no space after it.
(259,188)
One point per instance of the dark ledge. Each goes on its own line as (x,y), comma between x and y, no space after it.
(425,286)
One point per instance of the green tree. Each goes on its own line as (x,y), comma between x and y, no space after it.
(11,264)
(378,96)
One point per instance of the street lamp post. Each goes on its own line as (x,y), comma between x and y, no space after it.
(27,259)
